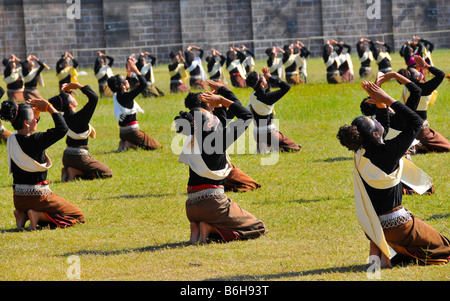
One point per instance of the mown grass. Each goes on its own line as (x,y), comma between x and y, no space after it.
(136,226)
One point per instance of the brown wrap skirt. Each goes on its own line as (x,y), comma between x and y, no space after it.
(237,80)
(80,159)
(16,95)
(40,198)
(137,137)
(177,86)
(32,94)
(294,79)
(213,207)
(415,240)
(274,140)
(431,141)
(238,181)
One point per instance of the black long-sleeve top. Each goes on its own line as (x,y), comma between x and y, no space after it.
(344,66)
(241,57)
(98,65)
(361,50)
(384,63)
(211,64)
(427,44)
(269,98)
(2,91)
(26,69)
(270,63)
(326,54)
(227,134)
(292,68)
(386,157)
(189,61)
(391,120)
(304,52)
(430,85)
(408,51)
(60,67)
(248,53)
(78,122)
(34,146)
(18,84)
(126,99)
(174,66)
(140,64)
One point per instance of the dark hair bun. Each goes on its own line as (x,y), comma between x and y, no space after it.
(252,79)
(60,102)
(8,110)
(114,83)
(349,137)
(184,123)
(368,109)
(193,101)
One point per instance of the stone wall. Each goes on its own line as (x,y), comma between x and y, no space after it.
(41,27)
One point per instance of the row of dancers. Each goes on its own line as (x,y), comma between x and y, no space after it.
(209,210)
(287,63)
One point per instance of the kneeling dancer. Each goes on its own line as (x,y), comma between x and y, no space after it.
(125,110)
(262,103)
(29,164)
(77,162)
(379,170)
(208,208)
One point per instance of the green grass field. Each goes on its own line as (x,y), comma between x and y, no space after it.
(136,225)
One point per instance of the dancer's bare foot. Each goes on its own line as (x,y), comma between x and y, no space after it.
(127,145)
(205,231)
(21,219)
(120,149)
(64,175)
(195,233)
(35,217)
(72,173)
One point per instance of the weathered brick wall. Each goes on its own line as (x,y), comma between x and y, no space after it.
(410,17)
(123,27)
(48,31)
(12,33)
(284,22)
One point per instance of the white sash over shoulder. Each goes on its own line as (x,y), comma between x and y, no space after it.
(120,111)
(80,136)
(22,160)
(197,62)
(191,155)
(407,173)
(259,107)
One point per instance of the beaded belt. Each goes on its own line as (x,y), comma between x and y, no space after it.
(333,72)
(394,219)
(76,151)
(129,128)
(32,190)
(215,193)
(264,129)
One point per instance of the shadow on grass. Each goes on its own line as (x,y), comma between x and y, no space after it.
(316,272)
(136,250)
(142,196)
(437,216)
(337,159)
